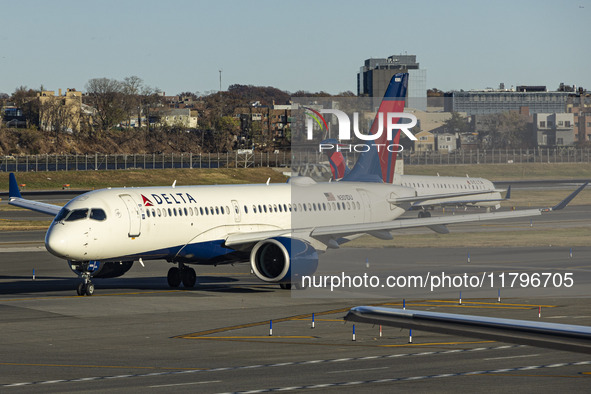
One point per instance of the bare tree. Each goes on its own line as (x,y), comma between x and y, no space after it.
(132,87)
(106,96)
(24,98)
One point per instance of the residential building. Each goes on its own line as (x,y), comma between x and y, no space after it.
(580,107)
(60,112)
(13,117)
(425,142)
(447,142)
(274,120)
(178,117)
(555,129)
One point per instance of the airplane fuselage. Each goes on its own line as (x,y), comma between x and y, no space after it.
(441,185)
(190,223)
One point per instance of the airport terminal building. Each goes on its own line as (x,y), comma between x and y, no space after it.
(484,102)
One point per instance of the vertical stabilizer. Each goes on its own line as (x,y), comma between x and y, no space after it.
(377,165)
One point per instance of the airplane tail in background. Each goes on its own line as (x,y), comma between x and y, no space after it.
(377,165)
(338,164)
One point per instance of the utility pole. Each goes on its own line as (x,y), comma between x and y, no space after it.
(220,79)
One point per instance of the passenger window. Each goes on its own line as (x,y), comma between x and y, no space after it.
(245,209)
(206,211)
(99,214)
(186,212)
(254,208)
(275,207)
(280,210)
(77,214)
(305,208)
(217,211)
(265,208)
(314,205)
(147,213)
(163,212)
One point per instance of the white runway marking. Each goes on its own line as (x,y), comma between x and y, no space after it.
(185,384)
(509,357)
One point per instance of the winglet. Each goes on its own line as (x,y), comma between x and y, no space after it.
(568,199)
(508,195)
(13,191)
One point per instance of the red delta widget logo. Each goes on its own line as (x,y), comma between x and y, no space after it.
(384,133)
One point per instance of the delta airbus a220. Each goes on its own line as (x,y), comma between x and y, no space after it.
(101,233)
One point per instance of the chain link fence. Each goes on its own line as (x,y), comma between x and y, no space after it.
(279,159)
(142,161)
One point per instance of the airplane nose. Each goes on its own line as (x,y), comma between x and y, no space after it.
(56,242)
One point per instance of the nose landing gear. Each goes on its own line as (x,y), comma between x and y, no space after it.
(85,287)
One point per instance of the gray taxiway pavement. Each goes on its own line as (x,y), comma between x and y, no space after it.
(136,334)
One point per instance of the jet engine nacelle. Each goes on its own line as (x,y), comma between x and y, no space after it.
(283,260)
(99,269)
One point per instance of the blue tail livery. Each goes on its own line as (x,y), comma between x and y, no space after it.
(378,165)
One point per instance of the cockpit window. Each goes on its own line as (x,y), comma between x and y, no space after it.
(97,214)
(62,214)
(77,214)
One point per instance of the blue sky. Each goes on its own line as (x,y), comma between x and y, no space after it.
(292,45)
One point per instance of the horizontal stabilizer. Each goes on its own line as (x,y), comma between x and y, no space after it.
(15,198)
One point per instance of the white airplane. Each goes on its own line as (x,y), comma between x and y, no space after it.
(477,192)
(280,228)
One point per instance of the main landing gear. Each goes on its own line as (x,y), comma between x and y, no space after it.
(183,274)
(424,214)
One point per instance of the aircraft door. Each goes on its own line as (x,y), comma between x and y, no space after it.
(135,215)
(236,208)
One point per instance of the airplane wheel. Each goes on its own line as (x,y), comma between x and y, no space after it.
(421,214)
(285,286)
(174,277)
(189,277)
(427,214)
(80,290)
(89,289)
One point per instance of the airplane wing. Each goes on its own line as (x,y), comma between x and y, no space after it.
(568,337)
(15,198)
(437,224)
(381,229)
